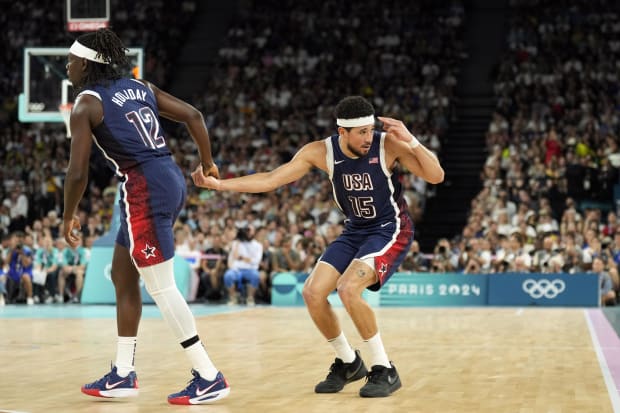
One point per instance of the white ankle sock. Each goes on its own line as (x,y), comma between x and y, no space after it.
(201,361)
(378,356)
(125,354)
(343,349)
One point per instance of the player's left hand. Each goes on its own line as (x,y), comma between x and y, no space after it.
(397,129)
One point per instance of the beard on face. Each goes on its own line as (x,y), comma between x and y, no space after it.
(357,152)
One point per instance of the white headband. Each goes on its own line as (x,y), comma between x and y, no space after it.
(355,122)
(79,50)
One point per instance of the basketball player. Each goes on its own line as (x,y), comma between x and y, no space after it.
(121,116)
(361,165)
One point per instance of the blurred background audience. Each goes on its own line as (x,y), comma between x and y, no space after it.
(547,202)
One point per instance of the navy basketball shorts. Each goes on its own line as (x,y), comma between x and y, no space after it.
(151,199)
(387,246)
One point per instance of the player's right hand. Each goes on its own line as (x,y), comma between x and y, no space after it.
(71,231)
(212,171)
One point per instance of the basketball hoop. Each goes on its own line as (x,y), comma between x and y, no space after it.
(65,111)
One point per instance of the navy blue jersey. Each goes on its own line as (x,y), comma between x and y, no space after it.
(364,188)
(130,133)
(152,191)
(378,225)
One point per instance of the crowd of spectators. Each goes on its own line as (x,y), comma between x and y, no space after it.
(547,203)
(34,156)
(279,71)
(547,198)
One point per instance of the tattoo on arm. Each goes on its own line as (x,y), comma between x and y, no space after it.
(361,273)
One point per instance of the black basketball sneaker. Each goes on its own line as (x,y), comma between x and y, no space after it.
(341,373)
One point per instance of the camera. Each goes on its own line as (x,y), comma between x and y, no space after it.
(441,249)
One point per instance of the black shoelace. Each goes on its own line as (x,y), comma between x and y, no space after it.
(374,376)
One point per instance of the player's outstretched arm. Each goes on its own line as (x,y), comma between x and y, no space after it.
(302,162)
(410,152)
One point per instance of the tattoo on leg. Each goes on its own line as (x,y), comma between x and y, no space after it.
(361,273)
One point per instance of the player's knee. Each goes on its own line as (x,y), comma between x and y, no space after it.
(346,293)
(308,295)
(123,282)
(156,292)
(158,286)
(313,295)
(349,290)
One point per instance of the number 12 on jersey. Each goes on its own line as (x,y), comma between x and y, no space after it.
(147,125)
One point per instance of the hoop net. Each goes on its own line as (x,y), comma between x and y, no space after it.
(65,111)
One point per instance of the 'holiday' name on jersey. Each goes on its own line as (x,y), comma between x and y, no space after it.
(128,94)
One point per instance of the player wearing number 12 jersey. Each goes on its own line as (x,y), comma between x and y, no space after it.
(361,164)
(121,117)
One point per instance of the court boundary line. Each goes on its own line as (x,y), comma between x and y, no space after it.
(597,326)
(103,311)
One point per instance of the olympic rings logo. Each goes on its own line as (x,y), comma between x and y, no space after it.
(543,288)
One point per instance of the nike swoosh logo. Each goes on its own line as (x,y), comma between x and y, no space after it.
(349,375)
(391,379)
(202,392)
(385,224)
(337,162)
(109,386)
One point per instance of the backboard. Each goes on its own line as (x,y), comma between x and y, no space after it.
(46,86)
(87,15)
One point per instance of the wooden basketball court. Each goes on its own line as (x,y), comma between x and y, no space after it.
(449,360)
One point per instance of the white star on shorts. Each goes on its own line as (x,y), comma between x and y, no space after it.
(383,269)
(148,251)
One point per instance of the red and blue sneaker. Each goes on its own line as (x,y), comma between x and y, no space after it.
(201,391)
(113,385)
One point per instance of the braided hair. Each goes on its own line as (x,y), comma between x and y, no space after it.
(111,49)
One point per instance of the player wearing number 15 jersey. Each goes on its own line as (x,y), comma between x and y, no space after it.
(361,164)
(121,117)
